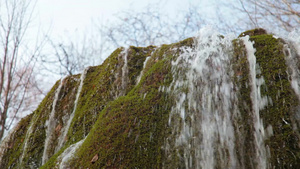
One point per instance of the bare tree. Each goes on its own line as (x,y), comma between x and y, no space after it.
(151,27)
(272,14)
(69,56)
(139,29)
(17,78)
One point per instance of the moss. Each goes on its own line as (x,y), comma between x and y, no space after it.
(254,32)
(127,127)
(93,98)
(63,109)
(284,142)
(129,131)
(102,86)
(244,126)
(136,121)
(15,144)
(136,59)
(35,141)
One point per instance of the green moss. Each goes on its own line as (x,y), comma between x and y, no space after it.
(254,32)
(244,124)
(102,85)
(35,141)
(136,121)
(129,132)
(15,144)
(64,107)
(284,142)
(127,127)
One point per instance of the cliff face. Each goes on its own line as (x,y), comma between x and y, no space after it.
(206,102)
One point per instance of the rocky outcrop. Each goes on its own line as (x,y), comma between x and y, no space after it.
(206,102)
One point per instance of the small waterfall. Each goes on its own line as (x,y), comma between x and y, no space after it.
(258,104)
(27,136)
(124,71)
(222,114)
(61,139)
(292,52)
(142,72)
(51,123)
(202,115)
(293,59)
(69,154)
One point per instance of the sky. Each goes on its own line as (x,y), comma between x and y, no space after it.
(67,16)
(71,20)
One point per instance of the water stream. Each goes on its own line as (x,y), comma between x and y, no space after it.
(124,71)
(206,116)
(142,72)
(65,129)
(204,95)
(51,123)
(258,103)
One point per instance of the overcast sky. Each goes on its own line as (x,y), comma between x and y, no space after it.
(63,16)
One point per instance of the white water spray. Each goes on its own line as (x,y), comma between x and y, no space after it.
(62,137)
(292,59)
(258,103)
(204,95)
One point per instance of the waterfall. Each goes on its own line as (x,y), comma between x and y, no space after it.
(61,138)
(69,154)
(215,102)
(28,134)
(124,71)
(142,72)
(204,94)
(293,62)
(293,59)
(258,104)
(51,123)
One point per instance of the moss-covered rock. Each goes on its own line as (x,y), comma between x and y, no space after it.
(282,141)
(122,121)
(254,32)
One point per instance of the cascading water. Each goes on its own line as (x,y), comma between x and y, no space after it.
(51,123)
(142,72)
(68,154)
(293,62)
(292,59)
(229,103)
(206,120)
(28,134)
(204,103)
(258,103)
(61,138)
(124,71)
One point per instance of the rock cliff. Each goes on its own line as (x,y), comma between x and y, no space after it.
(211,101)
